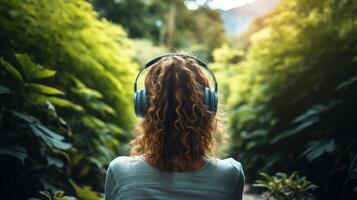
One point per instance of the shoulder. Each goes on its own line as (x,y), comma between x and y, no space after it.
(239,173)
(120,160)
(229,173)
(229,163)
(235,164)
(122,164)
(117,169)
(233,167)
(228,167)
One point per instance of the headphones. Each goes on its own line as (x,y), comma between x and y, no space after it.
(141,97)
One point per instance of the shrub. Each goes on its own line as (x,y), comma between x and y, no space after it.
(283,187)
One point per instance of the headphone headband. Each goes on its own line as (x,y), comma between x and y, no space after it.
(156,59)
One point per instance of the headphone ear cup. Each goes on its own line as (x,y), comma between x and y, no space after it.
(136,104)
(214,101)
(211,99)
(140,102)
(206,98)
(144,101)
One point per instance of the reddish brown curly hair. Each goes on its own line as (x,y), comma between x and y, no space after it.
(178,128)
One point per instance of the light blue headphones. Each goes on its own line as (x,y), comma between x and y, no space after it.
(141,97)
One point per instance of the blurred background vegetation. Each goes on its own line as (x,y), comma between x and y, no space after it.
(288,83)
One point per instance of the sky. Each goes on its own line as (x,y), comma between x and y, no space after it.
(218,4)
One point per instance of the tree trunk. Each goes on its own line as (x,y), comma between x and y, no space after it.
(170,23)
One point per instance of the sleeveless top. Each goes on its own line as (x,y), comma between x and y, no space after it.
(133,178)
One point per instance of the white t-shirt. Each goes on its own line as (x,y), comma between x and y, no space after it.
(133,178)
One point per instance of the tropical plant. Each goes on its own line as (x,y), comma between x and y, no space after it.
(33,136)
(291,96)
(58,195)
(283,187)
(83,95)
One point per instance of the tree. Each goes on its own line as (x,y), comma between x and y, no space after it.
(167,23)
(292,102)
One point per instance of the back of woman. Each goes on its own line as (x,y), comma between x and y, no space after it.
(170,154)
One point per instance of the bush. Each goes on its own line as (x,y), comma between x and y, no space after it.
(291,96)
(283,187)
(74,107)
(33,137)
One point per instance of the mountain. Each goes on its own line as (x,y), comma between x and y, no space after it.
(237,20)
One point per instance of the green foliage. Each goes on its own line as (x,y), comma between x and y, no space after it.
(283,187)
(24,136)
(316,148)
(31,70)
(291,96)
(198,31)
(66,115)
(146,50)
(167,23)
(58,195)
(139,18)
(73,41)
(86,193)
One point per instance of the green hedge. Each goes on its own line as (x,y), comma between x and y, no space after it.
(292,95)
(88,94)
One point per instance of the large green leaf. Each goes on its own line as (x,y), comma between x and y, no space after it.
(296,130)
(61,102)
(31,70)
(85,192)
(309,118)
(12,71)
(347,83)
(102,108)
(54,161)
(93,122)
(28,118)
(49,137)
(84,92)
(59,195)
(255,134)
(317,148)
(35,87)
(4,90)
(316,110)
(15,150)
(115,129)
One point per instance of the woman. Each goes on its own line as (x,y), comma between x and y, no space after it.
(170,154)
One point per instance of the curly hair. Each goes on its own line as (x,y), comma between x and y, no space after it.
(177,125)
